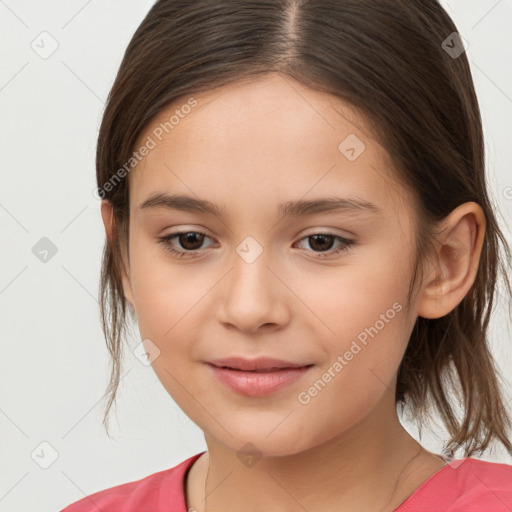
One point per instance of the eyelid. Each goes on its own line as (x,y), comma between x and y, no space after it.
(298,237)
(345,243)
(324,231)
(178,230)
(182,231)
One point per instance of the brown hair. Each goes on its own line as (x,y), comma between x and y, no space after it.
(388,60)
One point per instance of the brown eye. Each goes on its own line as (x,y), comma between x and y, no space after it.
(321,242)
(190,241)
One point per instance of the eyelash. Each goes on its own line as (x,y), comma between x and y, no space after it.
(165,240)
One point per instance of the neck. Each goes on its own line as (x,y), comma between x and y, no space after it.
(375,466)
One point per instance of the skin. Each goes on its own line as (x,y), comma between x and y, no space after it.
(250,146)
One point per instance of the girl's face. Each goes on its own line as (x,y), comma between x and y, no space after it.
(259,283)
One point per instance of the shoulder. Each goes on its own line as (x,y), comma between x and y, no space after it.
(479,468)
(481,484)
(152,493)
(465,485)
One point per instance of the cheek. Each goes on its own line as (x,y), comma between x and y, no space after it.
(340,302)
(368,328)
(163,292)
(361,364)
(167,298)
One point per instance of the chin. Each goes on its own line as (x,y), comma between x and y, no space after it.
(255,444)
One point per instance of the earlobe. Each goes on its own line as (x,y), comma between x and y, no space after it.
(107,214)
(458,251)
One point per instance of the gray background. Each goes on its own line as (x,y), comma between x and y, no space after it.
(53,364)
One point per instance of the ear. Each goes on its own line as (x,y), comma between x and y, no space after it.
(458,251)
(107,214)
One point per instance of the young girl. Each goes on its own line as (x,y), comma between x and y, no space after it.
(240,136)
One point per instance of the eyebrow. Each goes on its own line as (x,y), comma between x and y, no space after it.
(289,209)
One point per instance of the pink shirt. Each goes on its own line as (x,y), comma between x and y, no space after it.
(466,485)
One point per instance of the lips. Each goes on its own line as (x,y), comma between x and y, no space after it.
(261,364)
(257,377)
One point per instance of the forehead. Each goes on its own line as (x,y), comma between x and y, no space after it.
(263,140)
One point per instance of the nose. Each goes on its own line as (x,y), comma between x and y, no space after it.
(253,297)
